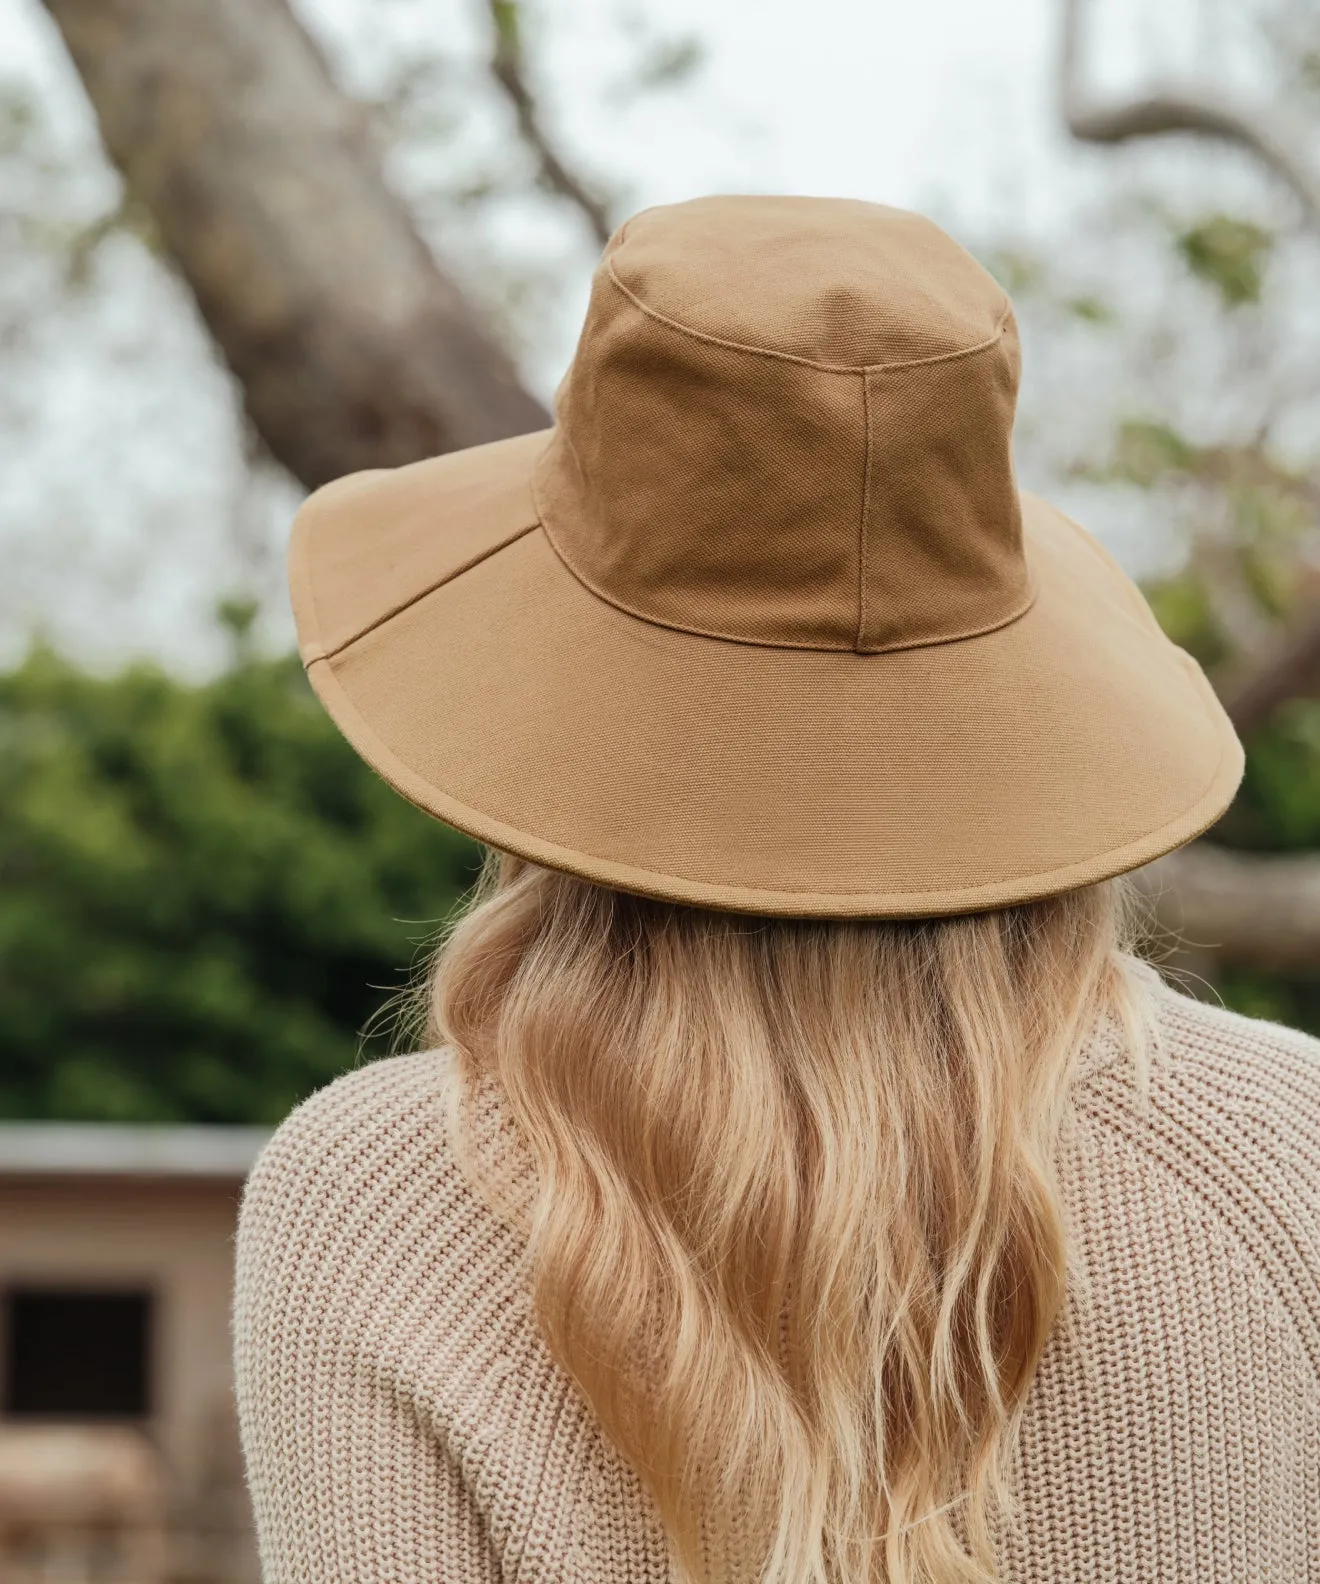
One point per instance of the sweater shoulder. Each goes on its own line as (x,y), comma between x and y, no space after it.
(365,1171)
(1231,1122)
(372,1120)
(1252,1083)
(369,1098)
(1242,1067)
(356,1175)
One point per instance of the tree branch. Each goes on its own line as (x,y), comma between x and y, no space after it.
(351,347)
(508,66)
(1244,908)
(1171,111)
(1289,669)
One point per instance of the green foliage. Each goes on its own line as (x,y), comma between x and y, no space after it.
(669,63)
(1090,309)
(1294,1001)
(1250,539)
(508,24)
(1146,452)
(1230,254)
(1182,609)
(1017,271)
(204,894)
(18,116)
(1278,808)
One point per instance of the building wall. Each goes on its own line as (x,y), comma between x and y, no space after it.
(173,1237)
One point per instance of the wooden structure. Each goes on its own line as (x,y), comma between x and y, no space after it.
(119,1459)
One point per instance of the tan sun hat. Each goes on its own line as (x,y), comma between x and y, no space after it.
(763,622)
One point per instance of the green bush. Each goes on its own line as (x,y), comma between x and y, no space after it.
(204,895)
(1278,810)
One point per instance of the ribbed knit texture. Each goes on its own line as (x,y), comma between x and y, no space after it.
(404,1423)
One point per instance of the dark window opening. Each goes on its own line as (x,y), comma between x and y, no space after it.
(77,1354)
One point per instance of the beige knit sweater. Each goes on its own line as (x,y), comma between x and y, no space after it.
(404,1424)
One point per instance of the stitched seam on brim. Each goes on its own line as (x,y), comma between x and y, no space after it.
(309,658)
(403,605)
(793,357)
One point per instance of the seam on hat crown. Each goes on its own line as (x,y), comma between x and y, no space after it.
(695,630)
(1001,324)
(863,538)
(865,561)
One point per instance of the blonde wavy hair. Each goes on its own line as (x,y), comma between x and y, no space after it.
(796,1234)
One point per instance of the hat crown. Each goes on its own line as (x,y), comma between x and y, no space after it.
(788,421)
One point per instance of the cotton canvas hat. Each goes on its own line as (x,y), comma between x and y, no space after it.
(763,622)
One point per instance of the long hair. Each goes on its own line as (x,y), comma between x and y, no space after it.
(796,1232)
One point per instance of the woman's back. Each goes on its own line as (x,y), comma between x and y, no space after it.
(403,1419)
(812,747)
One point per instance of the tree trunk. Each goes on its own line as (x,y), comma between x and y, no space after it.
(351,348)
(1172,112)
(1240,907)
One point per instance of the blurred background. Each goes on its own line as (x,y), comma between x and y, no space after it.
(245,248)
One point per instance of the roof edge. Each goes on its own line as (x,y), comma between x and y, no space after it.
(110,1149)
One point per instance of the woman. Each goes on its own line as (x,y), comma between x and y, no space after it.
(806,1183)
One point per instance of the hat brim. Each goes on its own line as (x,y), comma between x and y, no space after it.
(474,672)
